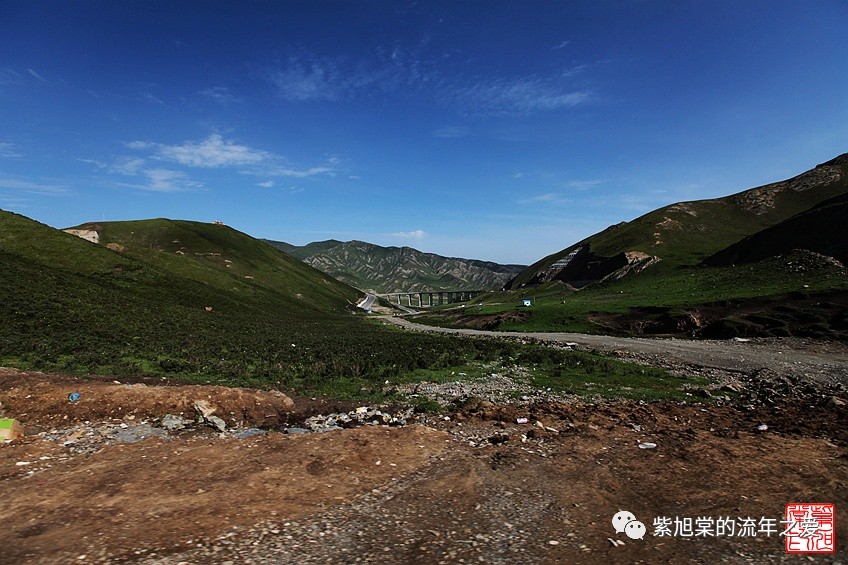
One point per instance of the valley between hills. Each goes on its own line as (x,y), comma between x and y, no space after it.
(191,394)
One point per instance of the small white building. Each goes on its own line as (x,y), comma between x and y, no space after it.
(528,302)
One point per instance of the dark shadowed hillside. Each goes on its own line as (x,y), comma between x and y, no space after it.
(823,229)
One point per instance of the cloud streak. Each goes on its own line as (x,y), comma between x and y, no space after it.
(416,234)
(29,187)
(518,96)
(9,151)
(450,132)
(549,198)
(220,94)
(306,78)
(36,75)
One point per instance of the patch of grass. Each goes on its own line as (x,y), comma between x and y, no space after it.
(557,309)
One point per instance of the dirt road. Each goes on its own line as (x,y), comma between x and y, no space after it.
(826,362)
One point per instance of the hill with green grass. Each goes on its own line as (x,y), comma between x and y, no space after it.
(226,259)
(204,303)
(399,269)
(765,262)
(686,233)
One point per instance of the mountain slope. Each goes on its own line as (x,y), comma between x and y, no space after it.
(398,269)
(195,302)
(688,232)
(821,229)
(221,257)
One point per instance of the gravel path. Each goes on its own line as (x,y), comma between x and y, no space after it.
(824,362)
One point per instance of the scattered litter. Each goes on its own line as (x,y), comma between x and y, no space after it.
(74,397)
(762,427)
(173,423)
(647,445)
(23,463)
(521,420)
(250,432)
(615,542)
(741,339)
(10,429)
(205,411)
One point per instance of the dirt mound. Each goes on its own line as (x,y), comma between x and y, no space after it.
(43,400)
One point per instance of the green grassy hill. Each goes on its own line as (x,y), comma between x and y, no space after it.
(221,257)
(768,271)
(686,233)
(205,303)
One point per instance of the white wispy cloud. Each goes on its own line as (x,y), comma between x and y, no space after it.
(128,165)
(549,197)
(561,45)
(306,77)
(451,132)
(212,152)
(30,187)
(311,79)
(220,94)
(10,76)
(150,97)
(36,75)
(518,175)
(162,180)
(139,145)
(518,96)
(165,180)
(584,184)
(9,151)
(416,234)
(299,173)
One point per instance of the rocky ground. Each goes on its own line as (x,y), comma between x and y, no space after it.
(150,473)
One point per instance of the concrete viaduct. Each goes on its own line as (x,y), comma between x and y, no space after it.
(430,298)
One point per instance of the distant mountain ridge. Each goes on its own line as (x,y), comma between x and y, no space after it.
(687,233)
(398,269)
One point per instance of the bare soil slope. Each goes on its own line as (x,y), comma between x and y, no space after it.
(477,487)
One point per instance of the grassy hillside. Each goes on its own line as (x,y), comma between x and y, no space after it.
(754,280)
(226,259)
(799,294)
(397,269)
(73,306)
(686,233)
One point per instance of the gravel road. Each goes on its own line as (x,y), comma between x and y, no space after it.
(824,362)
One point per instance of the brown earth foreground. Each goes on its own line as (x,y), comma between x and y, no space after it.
(476,488)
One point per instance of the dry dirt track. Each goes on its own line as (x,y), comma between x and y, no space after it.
(826,362)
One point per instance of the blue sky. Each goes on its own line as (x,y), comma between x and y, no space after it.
(493,130)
